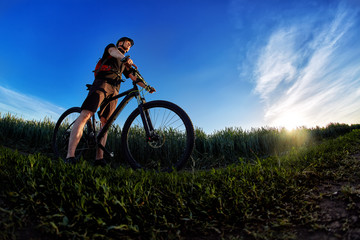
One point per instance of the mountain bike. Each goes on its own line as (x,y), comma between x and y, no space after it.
(156,135)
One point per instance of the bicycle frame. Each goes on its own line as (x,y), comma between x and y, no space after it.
(129,95)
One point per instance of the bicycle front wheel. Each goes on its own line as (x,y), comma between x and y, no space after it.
(62,132)
(172,138)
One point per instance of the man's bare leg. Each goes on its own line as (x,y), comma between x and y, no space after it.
(77,131)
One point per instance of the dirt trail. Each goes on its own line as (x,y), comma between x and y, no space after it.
(337,211)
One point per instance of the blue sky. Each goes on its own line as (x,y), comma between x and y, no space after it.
(236,63)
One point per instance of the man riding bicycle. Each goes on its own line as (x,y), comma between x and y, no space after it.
(107,81)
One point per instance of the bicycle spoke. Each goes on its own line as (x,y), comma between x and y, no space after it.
(171,143)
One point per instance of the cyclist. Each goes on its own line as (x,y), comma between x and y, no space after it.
(107,81)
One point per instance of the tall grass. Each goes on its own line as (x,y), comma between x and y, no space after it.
(218,149)
(227,146)
(33,136)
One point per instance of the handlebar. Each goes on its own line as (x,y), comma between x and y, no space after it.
(138,76)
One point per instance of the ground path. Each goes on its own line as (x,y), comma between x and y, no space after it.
(337,209)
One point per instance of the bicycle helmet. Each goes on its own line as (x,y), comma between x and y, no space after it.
(124,39)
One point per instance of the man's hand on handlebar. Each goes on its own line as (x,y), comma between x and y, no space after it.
(150,89)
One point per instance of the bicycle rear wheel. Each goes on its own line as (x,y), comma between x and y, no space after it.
(62,132)
(172,142)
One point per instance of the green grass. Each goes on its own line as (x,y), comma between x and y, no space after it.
(238,184)
(257,198)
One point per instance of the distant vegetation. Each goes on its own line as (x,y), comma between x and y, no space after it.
(218,149)
(239,184)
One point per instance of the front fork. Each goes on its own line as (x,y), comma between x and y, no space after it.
(145,117)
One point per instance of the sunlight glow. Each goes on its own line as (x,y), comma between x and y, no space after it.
(289,120)
(310,79)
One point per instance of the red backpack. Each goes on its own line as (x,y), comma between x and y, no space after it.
(100,66)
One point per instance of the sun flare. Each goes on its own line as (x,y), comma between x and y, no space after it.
(289,120)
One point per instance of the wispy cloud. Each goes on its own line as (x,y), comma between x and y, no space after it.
(309,74)
(27,107)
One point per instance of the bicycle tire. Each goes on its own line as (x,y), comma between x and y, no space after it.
(62,132)
(176,138)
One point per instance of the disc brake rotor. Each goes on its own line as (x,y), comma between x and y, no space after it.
(157,141)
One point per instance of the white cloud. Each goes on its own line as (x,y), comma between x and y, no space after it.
(312,82)
(276,63)
(27,107)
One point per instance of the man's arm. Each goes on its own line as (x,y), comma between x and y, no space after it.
(114,52)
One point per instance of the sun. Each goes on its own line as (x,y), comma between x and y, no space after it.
(289,120)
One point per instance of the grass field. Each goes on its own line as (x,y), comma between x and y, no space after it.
(239,185)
